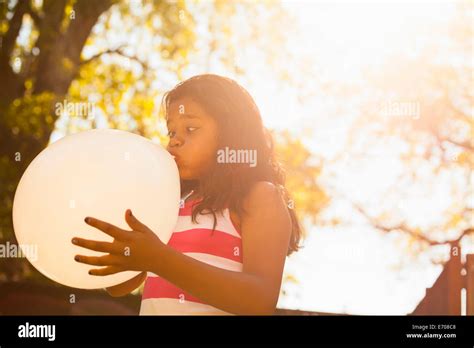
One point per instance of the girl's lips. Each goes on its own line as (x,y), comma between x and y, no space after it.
(177,160)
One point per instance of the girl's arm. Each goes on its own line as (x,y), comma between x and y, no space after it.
(127,287)
(266,231)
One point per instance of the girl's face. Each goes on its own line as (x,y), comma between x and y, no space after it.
(192,138)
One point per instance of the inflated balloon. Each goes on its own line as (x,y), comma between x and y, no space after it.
(97,173)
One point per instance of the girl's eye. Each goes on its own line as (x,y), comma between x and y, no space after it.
(189,129)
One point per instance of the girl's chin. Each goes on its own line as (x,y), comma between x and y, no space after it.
(185,174)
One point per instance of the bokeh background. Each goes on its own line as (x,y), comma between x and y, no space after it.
(370,103)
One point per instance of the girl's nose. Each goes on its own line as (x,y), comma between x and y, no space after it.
(175,142)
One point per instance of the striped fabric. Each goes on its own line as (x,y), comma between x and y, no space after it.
(221,248)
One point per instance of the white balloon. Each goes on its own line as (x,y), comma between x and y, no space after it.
(97,173)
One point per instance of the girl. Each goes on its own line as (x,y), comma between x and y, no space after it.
(234,231)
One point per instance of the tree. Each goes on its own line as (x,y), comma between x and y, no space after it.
(426,104)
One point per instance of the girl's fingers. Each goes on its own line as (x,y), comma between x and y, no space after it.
(110,229)
(96,245)
(134,223)
(106,260)
(106,271)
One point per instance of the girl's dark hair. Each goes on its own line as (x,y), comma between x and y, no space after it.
(240,128)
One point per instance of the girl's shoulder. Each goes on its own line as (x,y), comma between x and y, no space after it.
(262,192)
(235,219)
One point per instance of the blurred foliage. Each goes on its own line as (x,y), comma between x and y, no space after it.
(302,170)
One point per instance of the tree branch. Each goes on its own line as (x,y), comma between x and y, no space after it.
(118,51)
(464,144)
(63,50)
(401,227)
(48,44)
(14,26)
(463,234)
(87,14)
(33,14)
(404,228)
(12,85)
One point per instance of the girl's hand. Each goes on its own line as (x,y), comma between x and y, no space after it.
(133,250)
(128,286)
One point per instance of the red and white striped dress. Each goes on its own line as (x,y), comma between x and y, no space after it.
(221,248)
